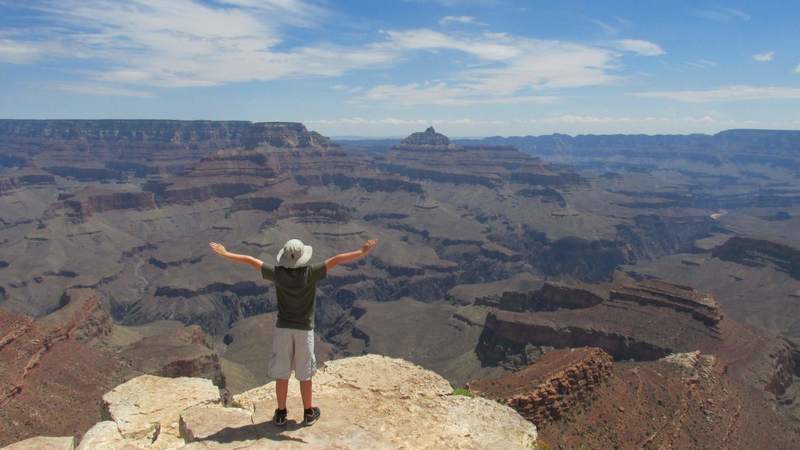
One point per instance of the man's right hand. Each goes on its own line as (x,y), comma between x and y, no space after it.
(218,248)
(369,245)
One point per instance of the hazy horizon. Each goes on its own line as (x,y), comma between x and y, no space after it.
(469,67)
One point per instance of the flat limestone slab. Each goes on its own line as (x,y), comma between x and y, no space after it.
(146,400)
(44,443)
(106,435)
(378,402)
(218,423)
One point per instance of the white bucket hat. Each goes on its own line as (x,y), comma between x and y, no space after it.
(294,254)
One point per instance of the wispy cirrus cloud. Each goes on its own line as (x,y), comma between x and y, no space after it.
(764,57)
(701,63)
(728,93)
(137,46)
(183,43)
(722,14)
(443,94)
(611,27)
(513,69)
(18,52)
(463,20)
(640,47)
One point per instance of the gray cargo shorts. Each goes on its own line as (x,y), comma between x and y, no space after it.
(292,350)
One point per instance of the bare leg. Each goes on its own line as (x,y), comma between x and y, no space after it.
(281,389)
(305,392)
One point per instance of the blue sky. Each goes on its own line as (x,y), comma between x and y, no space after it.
(386,68)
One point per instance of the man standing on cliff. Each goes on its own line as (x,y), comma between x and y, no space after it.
(293,341)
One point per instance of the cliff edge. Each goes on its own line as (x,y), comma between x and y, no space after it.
(367,402)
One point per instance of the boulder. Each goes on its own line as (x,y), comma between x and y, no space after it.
(106,435)
(44,443)
(146,400)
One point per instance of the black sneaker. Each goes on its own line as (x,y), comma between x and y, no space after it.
(311,416)
(279,418)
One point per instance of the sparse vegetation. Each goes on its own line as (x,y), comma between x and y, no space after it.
(462,391)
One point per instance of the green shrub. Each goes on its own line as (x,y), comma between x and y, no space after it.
(462,391)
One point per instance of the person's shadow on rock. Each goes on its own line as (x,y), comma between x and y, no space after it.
(264,430)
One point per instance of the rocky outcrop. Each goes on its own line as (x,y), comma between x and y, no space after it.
(81,316)
(684,400)
(429,137)
(315,212)
(161,134)
(699,305)
(547,390)
(549,297)
(507,336)
(366,402)
(44,443)
(285,135)
(641,321)
(50,381)
(759,252)
(32,178)
(148,403)
(762,142)
(430,156)
(193,194)
(84,204)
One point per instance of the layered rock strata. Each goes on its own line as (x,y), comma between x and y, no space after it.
(559,381)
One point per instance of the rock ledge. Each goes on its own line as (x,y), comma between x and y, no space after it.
(367,402)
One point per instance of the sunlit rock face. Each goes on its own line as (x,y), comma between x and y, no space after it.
(367,402)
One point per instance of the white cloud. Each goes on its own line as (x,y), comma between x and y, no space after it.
(17,52)
(638,46)
(701,63)
(797,69)
(729,93)
(142,44)
(464,20)
(722,14)
(764,57)
(489,46)
(512,69)
(180,43)
(442,94)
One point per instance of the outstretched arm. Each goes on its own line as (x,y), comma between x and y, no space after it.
(344,258)
(244,259)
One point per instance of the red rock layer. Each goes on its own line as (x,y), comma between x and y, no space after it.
(548,389)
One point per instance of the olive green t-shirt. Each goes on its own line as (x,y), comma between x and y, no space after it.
(296,290)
